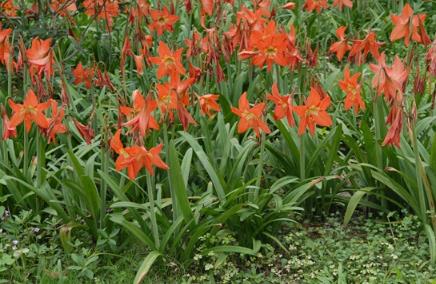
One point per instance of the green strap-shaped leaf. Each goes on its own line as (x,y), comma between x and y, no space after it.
(204,160)
(145,266)
(354,201)
(178,184)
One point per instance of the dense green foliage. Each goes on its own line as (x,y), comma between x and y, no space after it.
(123,153)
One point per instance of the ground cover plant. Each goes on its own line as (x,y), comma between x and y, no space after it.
(159,126)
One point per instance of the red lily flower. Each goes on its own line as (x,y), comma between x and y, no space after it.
(389,80)
(141,118)
(250,117)
(409,27)
(139,63)
(170,63)
(207,7)
(395,119)
(135,157)
(317,5)
(350,86)
(267,47)
(63,7)
(4,46)
(341,3)
(30,111)
(55,125)
(103,79)
(289,6)
(361,48)
(83,75)
(104,9)
(284,106)
(127,157)
(85,131)
(141,10)
(162,21)
(151,158)
(166,98)
(8,8)
(313,112)
(8,129)
(208,103)
(340,47)
(183,100)
(40,57)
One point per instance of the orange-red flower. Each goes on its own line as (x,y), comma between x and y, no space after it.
(181,88)
(139,11)
(140,116)
(166,98)
(55,125)
(395,119)
(409,27)
(208,104)
(102,9)
(267,47)
(284,107)
(340,47)
(351,87)
(85,131)
(317,5)
(170,63)
(162,21)
(4,45)
(83,75)
(389,80)
(63,7)
(207,7)
(30,111)
(8,8)
(127,157)
(139,63)
(134,158)
(8,129)
(250,117)
(361,47)
(151,158)
(341,3)
(40,57)
(313,112)
(289,6)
